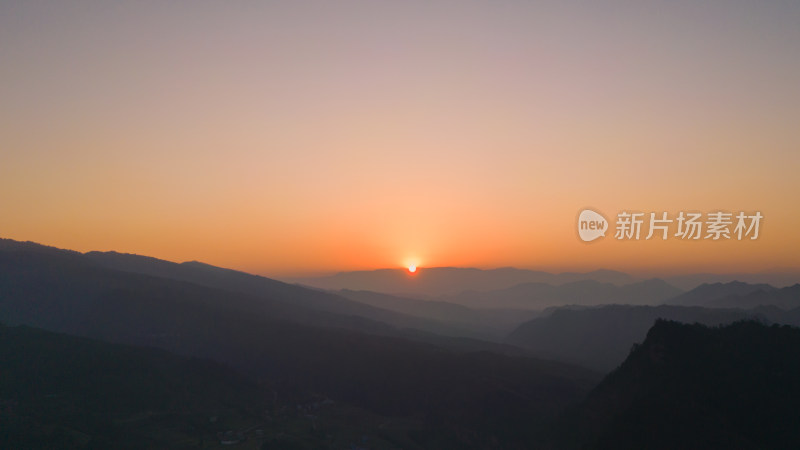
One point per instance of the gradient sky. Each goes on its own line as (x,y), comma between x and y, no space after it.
(297,137)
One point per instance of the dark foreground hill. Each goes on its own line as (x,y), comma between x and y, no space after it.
(65,392)
(694,387)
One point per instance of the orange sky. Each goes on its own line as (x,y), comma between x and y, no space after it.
(315,137)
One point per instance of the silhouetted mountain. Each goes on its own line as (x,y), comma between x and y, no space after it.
(259,287)
(737,294)
(693,387)
(538,296)
(776,277)
(705,294)
(436,281)
(242,291)
(467,397)
(784,298)
(61,290)
(489,323)
(601,337)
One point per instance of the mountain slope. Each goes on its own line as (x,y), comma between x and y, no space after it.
(64,290)
(264,288)
(693,387)
(83,278)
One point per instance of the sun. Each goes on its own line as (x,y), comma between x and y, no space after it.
(412,268)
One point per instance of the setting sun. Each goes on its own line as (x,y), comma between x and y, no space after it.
(412,268)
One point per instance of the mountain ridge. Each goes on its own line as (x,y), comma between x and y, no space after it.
(695,387)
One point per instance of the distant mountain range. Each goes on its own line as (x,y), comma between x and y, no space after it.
(777,278)
(439,281)
(709,292)
(740,295)
(436,282)
(477,307)
(538,296)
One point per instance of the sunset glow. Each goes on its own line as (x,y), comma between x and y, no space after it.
(291,140)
